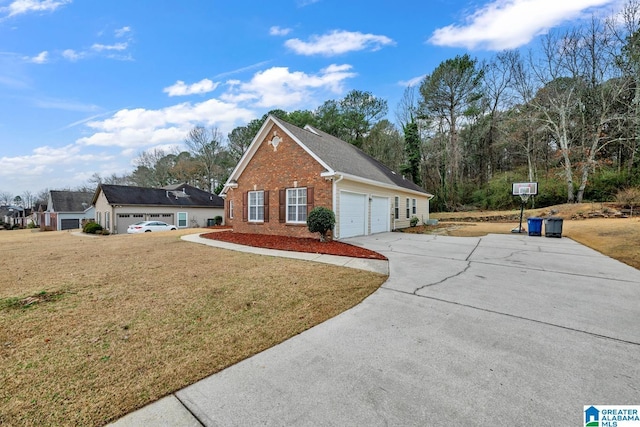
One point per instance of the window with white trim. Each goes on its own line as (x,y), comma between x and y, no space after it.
(408,209)
(397,208)
(107,220)
(256,206)
(414,206)
(230,209)
(297,205)
(182,219)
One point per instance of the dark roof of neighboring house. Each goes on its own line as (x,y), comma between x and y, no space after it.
(70,201)
(343,157)
(182,195)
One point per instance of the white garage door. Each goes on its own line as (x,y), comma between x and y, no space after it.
(379,214)
(353,212)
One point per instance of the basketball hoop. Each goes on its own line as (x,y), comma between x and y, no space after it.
(524,190)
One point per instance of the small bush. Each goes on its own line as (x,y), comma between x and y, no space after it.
(629,197)
(414,221)
(218,220)
(321,220)
(92,228)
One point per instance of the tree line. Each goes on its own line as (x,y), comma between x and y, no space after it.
(564,113)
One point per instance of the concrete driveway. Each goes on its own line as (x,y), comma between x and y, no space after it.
(499,330)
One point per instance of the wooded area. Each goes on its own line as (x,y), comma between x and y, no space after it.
(565,113)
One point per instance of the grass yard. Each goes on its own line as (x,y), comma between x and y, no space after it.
(92,328)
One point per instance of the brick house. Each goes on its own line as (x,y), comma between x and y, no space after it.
(287,171)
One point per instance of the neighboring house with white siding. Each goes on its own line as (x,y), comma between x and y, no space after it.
(118,206)
(66,210)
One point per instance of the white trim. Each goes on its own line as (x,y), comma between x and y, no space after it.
(287,205)
(186,219)
(383,185)
(255,144)
(257,206)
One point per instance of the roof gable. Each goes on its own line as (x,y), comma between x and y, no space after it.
(69,201)
(334,154)
(182,196)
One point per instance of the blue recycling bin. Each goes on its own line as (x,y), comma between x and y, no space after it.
(534,224)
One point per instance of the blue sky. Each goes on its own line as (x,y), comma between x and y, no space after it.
(87,85)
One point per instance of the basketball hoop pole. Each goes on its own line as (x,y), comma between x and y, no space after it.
(523,200)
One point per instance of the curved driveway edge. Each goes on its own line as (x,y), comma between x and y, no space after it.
(375,265)
(497,330)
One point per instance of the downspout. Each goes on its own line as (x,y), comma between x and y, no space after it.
(335,194)
(431,196)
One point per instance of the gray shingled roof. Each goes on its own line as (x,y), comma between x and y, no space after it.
(142,196)
(70,201)
(346,158)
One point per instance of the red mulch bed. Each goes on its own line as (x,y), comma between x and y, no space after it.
(295,244)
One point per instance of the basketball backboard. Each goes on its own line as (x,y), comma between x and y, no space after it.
(524,188)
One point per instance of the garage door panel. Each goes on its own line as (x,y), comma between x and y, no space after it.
(69,224)
(352,214)
(125,220)
(380,214)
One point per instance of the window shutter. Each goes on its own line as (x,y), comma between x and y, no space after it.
(310,200)
(266,206)
(282,205)
(245,207)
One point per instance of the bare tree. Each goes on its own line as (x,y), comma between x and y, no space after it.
(206,146)
(6,198)
(28,198)
(407,108)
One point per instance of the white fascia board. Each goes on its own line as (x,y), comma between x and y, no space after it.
(244,160)
(253,147)
(383,185)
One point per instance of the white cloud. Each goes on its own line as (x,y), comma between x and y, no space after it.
(72,55)
(182,89)
(113,47)
(242,70)
(279,87)
(40,58)
(508,24)
(121,32)
(19,7)
(338,42)
(277,31)
(415,81)
(130,128)
(66,105)
(44,159)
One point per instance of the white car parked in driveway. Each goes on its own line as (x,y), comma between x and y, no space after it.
(147,226)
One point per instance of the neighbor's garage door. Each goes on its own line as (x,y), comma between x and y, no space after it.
(353,212)
(379,214)
(70,224)
(125,220)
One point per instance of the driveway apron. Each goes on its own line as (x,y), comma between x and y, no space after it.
(498,330)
